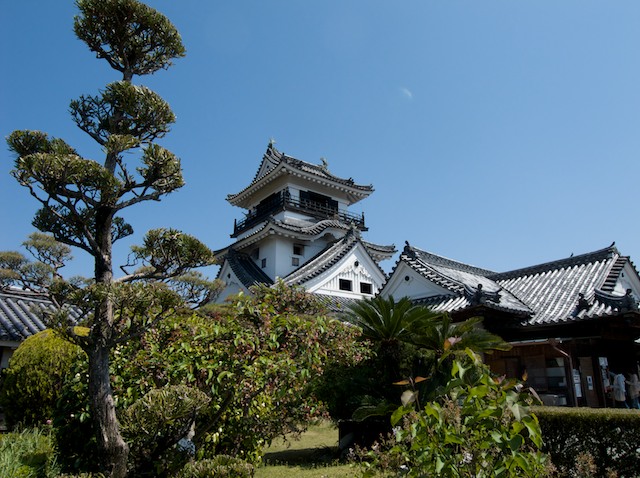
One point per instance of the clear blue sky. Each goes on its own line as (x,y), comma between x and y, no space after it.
(500,133)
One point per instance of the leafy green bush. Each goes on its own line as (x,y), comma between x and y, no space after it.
(606,437)
(31,385)
(255,359)
(480,427)
(221,466)
(28,454)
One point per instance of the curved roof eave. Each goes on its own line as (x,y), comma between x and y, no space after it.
(273,226)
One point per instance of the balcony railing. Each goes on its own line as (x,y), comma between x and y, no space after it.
(283,201)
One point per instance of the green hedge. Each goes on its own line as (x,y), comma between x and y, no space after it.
(609,436)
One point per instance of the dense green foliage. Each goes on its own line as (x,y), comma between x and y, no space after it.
(480,427)
(606,438)
(37,370)
(254,361)
(28,454)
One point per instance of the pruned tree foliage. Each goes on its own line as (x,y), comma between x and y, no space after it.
(82,200)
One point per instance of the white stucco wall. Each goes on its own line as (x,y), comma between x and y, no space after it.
(405,282)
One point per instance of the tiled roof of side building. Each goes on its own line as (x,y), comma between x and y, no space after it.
(462,280)
(20,314)
(274,158)
(553,289)
(447,273)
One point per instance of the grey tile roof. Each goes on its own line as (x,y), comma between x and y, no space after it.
(336,305)
(273,160)
(547,293)
(18,317)
(462,280)
(552,289)
(21,313)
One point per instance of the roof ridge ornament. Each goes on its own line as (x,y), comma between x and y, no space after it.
(477,295)
(624,303)
(583,304)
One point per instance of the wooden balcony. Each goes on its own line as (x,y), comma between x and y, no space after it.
(283,201)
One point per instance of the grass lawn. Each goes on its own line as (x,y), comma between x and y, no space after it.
(314,455)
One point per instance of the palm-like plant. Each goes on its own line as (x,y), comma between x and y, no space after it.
(440,335)
(392,325)
(389,324)
(385,321)
(440,341)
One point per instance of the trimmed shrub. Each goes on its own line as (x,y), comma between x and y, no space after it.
(221,466)
(155,424)
(577,437)
(31,385)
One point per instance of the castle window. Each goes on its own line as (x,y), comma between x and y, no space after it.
(345,284)
(298,250)
(295,261)
(264,263)
(366,288)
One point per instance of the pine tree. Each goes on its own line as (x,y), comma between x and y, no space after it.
(82,200)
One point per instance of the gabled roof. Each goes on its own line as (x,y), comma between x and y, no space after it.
(570,289)
(331,255)
(275,164)
(20,314)
(468,285)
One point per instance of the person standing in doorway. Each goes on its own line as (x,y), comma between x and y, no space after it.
(620,391)
(634,390)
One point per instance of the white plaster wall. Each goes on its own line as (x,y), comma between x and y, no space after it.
(284,253)
(269,251)
(6,351)
(628,280)
(416,287)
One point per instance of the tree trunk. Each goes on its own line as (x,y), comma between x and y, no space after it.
(113,449)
